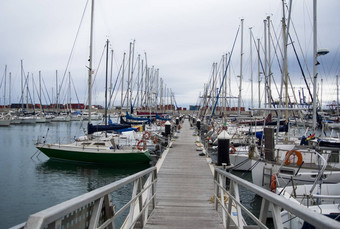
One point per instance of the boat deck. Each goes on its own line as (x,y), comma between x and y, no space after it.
(184,188)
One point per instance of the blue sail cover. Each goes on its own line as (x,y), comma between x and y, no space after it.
(97,128)
(161,118)
(128,116)
(127,129)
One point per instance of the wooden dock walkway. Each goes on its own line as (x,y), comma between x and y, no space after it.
(184,188)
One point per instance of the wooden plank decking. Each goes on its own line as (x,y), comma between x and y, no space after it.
(184,187)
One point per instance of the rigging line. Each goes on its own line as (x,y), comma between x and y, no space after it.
(335,58)
(29,92)
(74,88)
(262,67)
(73,46)
(114,87)
(48,99)
(100,61)
(225,73)
(207,100)
(112,101)
(302,72)
(302,53)
(280,67)
(36,90)
(44,94)
(3,77)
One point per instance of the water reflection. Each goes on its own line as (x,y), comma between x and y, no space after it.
(87,175)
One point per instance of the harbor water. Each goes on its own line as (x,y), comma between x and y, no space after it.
(30,182)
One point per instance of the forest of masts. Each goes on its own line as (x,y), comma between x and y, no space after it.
(136,85)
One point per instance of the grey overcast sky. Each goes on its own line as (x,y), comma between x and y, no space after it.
(182,38)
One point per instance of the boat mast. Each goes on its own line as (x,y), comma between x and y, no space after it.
(69,107)
(90,65)
(337,95)
(27,78)
(321,94)
(40,90)
(128,79)
(122,90)
(9,88)
(269,66)
(110,87)
(22,87)
(315,74)
(5,86)
(265,64)
(251,68)
(285,63)
(132,71)
(240,88)
(56,90)
(259,71)
(107,72)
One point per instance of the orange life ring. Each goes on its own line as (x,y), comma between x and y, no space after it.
(296,153)
(146,135)
(155,140)
(141,147)
(273,183)
(233,148)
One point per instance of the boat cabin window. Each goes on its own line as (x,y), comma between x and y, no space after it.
(315,176)
(86,143)
(99,144)
(334,157)
(287,171)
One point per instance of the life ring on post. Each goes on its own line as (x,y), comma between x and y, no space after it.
(155,140)
(296,153)
(139,144)
(273,183)
(146,135)
(233,149)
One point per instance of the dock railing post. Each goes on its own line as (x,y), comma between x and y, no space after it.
(140,200)
(153,189)
(216,190)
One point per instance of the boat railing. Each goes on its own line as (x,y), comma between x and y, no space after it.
(96,209)
(228,198)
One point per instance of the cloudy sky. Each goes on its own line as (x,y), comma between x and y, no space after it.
(182,38)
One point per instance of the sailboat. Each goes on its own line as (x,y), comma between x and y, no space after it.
(104,150)
(292,164)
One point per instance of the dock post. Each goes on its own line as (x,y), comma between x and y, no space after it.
(177,123)
(167,126)
(223,142)
(198,124)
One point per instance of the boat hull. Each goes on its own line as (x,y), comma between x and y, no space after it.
(95,156)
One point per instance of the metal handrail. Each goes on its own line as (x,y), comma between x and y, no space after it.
(97,205)
(268,198)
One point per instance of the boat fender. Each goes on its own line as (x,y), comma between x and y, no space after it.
(155,140)
(296,153)
(273,183)
(141,147)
